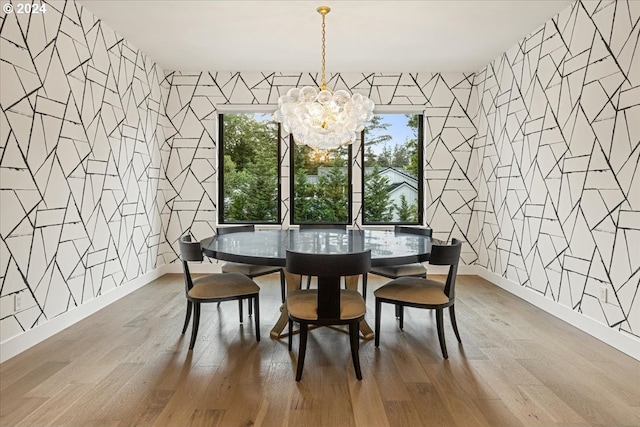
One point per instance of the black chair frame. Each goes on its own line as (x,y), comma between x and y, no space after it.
(329,268)
(249,228)
(399,229)
(440,255)
(191,251)
(328,227)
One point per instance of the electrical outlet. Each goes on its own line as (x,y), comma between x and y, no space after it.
(603,294)
(18,300)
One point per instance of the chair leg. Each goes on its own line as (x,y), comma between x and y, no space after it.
(377,325)
(397,311)
(308,282)
(196,323)
(400,309)
(187,317)
(452,315)
(302,349)
(240,309)
(364,287)
(283,286)
(440,326)
(250,307)
(354,329)
(256,317)
(290,335)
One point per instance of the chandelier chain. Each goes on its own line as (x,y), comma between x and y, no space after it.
(320,118)
(324,81)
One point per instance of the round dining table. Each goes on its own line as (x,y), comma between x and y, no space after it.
(269,247)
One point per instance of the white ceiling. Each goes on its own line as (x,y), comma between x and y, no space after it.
(362,36)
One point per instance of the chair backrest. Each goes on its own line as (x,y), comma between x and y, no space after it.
(235,229)
(323,226)
(413,230)
(447,255)
(189,251)
(329,268)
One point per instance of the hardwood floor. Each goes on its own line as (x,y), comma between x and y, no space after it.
(129,365)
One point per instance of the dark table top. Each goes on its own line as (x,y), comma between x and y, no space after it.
(268,247)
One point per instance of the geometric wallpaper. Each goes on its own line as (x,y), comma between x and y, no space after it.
(79,163)
(558,150)
(194,101)
(105,159)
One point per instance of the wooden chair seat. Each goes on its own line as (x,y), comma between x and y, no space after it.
(222,285)
(413,290)
(304,304)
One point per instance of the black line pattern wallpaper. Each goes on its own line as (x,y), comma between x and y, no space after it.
(80,163)
(105,159)
(558,149)
(195,99)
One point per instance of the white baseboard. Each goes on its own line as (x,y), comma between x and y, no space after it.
(204,268)
(627,344)
(464,270)
(19,343)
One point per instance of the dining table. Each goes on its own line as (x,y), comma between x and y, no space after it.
(269,247)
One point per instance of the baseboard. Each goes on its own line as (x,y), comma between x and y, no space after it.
(627,344)
(204,268)
(464,270)
(19,343)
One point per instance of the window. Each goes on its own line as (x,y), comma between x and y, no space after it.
(392,173)
(320,185)
(248,158)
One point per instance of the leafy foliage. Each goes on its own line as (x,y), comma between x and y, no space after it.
(327,200)
(377,205)
(381,151)
(406,212)
(250,169)
(321,187)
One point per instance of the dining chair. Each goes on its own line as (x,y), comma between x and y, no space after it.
(328,304)
(216,287)
(425,293)
(250,270)
(328,227)
(415,269)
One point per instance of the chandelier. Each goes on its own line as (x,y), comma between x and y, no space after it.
(320,118)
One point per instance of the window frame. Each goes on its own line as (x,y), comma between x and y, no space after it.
(220,174)
(292,220)
(420,178)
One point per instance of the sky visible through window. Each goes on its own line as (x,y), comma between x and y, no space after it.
(398,130)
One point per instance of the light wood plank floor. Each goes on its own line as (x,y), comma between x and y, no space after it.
(128,365)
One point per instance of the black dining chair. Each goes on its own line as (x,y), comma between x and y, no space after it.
(327,227)
(425,293)
(250,270)
(328,304)
(216,287)
(415,269)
